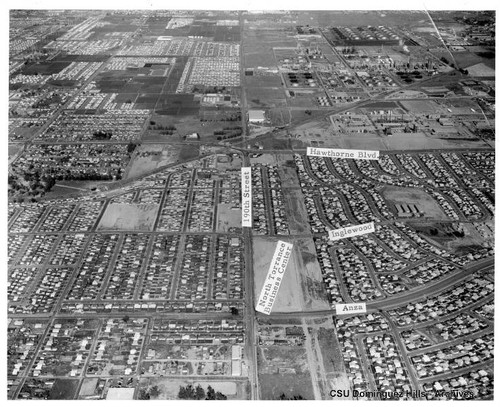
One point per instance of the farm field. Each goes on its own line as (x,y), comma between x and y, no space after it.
(481,70)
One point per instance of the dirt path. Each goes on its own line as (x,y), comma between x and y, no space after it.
(312,361)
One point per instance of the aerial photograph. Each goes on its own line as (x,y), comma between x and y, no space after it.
(250,204)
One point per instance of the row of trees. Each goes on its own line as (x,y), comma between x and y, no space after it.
(198,393)
(147,393)
(102,135)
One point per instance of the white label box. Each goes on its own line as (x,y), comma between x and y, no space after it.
(343,153)
(246,197)
(274,277)
(352,308)
(351,231)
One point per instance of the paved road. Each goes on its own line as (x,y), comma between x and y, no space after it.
(416,294)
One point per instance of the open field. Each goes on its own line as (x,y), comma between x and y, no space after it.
(302,287)
(319,133)
(279,116)
(422,106)
(88,387)
(128,217)
(268,81)
(311,280)
(14,149)
(225,162)
(290,295)
(151,156)
(273,385)
(169,388)
(333,359)
(444,235)
(227,217)
(481,70)
(266,97)
(283,370)
(264,159)
(363,141)
(63,389)
(416,141)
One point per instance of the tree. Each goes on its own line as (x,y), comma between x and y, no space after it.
(186,393)
(283,396)
(213,395)
(154,391)
(131,147)
(220,396)
(144,395)
(199,393)
(234,311)
(182,393)
(210,393)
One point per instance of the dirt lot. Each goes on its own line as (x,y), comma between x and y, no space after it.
(284,370)
(129,217)
(280,116)
(273,385)
(311,280)
(302,287)
(416,141)
(333,360)
(290,295)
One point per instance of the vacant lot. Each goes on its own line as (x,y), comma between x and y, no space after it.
(302,287)
(289,298)
(227,217)
(88,387)
(311,280)
(63,389)
(266,97)
(169,388)
(284,370)
(128,217)
(422,106)
(151,156)
(272,386)
(332,359)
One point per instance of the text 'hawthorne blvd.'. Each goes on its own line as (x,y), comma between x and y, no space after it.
(342,153)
